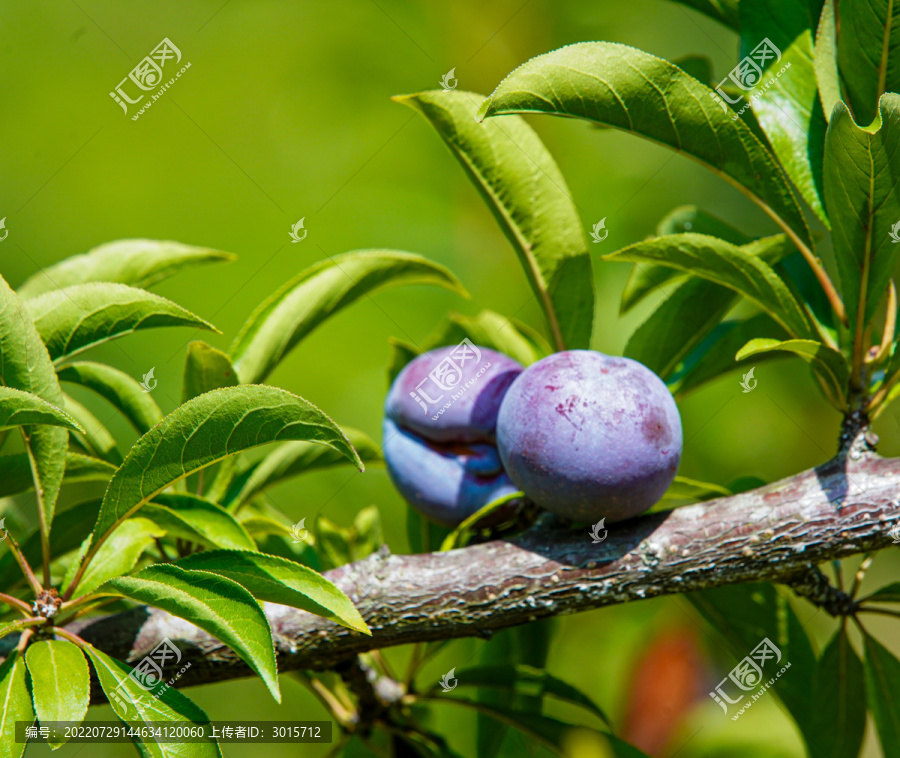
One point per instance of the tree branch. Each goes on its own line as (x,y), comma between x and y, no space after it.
(774,533)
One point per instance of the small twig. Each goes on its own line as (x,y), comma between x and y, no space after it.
(24,565)
(860,574)
(19,605)
(71,637)
(162,550)
(881,611)
(23,640)
(814,586)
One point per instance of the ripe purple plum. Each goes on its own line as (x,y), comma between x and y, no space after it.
(440,430)
(586,435)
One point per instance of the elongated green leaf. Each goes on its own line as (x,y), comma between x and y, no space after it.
(731,266)
(304,302)
(715,356)
(60,682)
(723,11)
(861,166)
(828,363)
(883,688)
(278,580)
(96,438)
(338,545)
(367,536)
(73,525)
(890,593)
(123,392)
(401,354)
(632,90)
(490,329)
(784,96)
(25,365)
(645,278)
(15,472)
(528,680)
(217,605)
(205,430)
(78,317)
(683,488)
(192,518)
(15,704)
(547,732)
(117,556)
(868,53)
(205,369)
(744,615)
(461,534)
(139,263)
(20,408)
(525,190)
(293,458)
(138,707)
(838,707)
(825,59)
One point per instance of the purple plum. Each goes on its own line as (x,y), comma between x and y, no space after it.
(586,435)
(440,430)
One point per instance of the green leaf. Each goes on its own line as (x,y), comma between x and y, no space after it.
(645,278)
(15,472)
(367,537)
(867,53)
(339,545)
(20,408)
(117,556)
(140,263)
(543,730)
(217,605)
(60,682)
(195,519)
(746,614)
(304,302)
(723,11)
(683,488)
(119,389)
(293,458)
(26,366)
(525,190)
(828,363)
(205,430)
(882,670)
(96,438)
(205,369)
(16,704)
(716,355)
(461,534)
(73,525)
(863,203)
(890,593)
(278,580)
(825,59)
(138,707)
(422,534)
(84,315)
(530,681)
(730,266)
(489,329)
(838,702)
(785,99)
(614,84)
(401,354)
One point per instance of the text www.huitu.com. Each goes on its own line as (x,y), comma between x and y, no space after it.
(762,691)
(154,97)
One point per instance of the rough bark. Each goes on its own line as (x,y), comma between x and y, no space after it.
(775,533)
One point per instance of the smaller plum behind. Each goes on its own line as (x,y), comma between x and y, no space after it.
(587,436)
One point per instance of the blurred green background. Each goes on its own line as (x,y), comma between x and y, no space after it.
(286,113)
